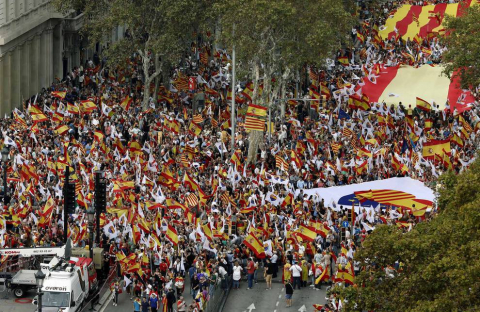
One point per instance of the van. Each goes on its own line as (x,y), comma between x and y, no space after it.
(64,289)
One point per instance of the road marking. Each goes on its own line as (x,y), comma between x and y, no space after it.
(279,296)
(283,289)
(277,304)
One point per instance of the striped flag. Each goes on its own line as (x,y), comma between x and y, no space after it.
(423,105)
(252,123)
(256,110)
(191,200)
(125,104)
(198,119)
(281,163)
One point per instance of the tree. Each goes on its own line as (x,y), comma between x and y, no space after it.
(440,258)
(463,43)
(160,31)
(273,38)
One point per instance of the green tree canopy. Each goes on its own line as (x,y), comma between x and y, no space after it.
(160,31)
(440,258)
(273,39)
(463,43)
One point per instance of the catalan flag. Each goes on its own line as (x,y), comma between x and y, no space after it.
(191,200)
(253,123)
(198,119)
(281,163)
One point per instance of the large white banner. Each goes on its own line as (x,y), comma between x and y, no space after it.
(343,195)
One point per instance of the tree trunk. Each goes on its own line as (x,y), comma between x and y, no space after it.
(157,79)
(148,79)
(255,137)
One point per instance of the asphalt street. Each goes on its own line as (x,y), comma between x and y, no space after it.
(262,300)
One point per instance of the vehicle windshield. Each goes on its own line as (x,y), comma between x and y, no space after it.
(56,299)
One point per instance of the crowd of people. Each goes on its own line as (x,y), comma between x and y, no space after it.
(184,204)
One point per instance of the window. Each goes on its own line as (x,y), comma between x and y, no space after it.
(56,299)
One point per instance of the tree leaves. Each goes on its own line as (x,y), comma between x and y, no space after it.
(463,43)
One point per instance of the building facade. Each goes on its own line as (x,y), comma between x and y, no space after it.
(37,46)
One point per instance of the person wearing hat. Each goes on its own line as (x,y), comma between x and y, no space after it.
(154,302)
(137,305)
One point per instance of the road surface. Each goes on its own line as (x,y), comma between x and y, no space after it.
(258,299)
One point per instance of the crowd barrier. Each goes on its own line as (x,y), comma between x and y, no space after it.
(219,295)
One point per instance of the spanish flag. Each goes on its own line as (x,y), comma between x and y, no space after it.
(190,182)
(72,109)
(306,233)
(435,147)
(360,37)
(428,124)
(248,209)
(194,129)
(457,140)
(88,106)
(423,105)
(39,118)
(255,245)
(256,110)
(248,91)
(344,60)
(61,129)
(172,235)
(324,276)
(207,231)
(252,123)
(59,94)
(125,104)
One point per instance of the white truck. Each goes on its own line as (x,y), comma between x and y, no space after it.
(67,284)
(24,280)
(69,280)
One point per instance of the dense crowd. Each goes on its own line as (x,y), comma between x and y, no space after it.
(176,185)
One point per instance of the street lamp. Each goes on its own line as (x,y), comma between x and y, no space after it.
(91,217)
(5,153)
(39,277)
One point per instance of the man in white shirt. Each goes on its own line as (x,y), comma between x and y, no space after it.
(296,274)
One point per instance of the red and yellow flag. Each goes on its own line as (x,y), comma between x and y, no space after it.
(252,242)
(172,235)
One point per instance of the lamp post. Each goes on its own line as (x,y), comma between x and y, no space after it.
(39,277)
(91,217)
(5,153)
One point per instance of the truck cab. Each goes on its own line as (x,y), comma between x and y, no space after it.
(64,289)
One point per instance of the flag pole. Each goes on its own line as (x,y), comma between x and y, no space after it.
(232,114)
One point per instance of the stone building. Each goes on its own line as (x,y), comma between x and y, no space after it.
(37,46)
